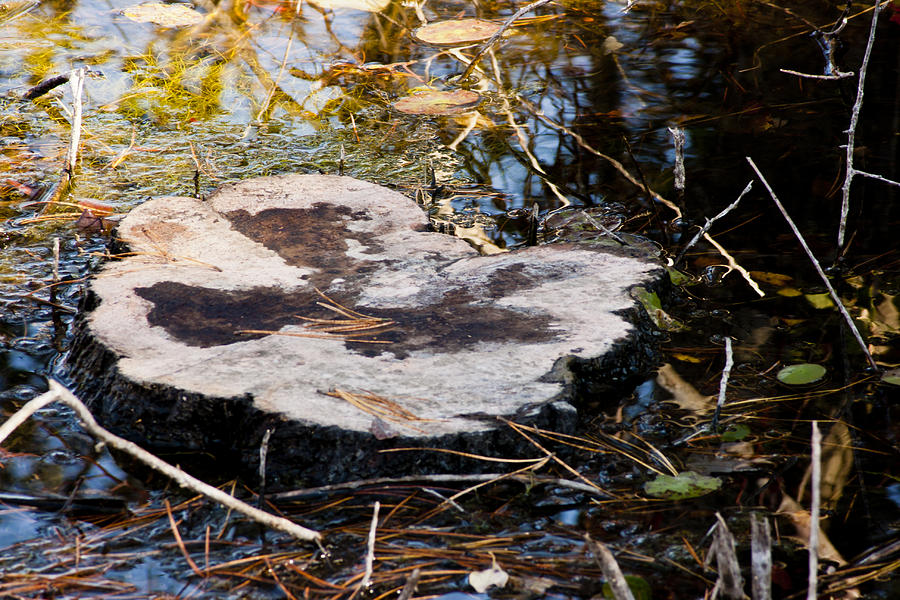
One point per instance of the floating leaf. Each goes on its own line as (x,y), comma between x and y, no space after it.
(819,301)
(735,433)
(802,374)
(372,6)
(686,485)
(776,279)
(891,377)
(639,587)
(679,278)
(458,32)
(789,292)
(165,15)
(434,102)
(652,304)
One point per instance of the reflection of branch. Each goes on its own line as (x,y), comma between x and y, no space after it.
(616,164)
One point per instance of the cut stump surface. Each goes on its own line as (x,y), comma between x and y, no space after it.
(387,334)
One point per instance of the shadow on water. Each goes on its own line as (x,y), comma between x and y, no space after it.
(259,88)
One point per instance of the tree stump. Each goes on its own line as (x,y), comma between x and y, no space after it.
(320,308)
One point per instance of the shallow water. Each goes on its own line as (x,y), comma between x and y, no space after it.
(181,111)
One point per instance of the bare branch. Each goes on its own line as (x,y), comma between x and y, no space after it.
(818,267)
(58,393)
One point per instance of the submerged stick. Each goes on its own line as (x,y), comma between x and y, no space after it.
(818,267)
(58,393)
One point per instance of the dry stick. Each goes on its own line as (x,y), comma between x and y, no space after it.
(370,548)
(723,384)
(818,267)
(730,583)
(58,393)
(611,571)
(851,131)
(493,39)
(709,222)
(410,588)
(842,75)
(814,511)
(678,139)
(760,557)
(438,478)
(77,83)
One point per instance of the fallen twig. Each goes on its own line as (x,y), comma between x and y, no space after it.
(818,267)
(58,393)
(709,222)
(499,33)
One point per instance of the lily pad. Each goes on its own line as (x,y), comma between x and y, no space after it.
(735,433)
(458,32)
(802,374)
(686,485)
(435,102)
(164,15)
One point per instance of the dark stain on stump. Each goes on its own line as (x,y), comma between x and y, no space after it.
(207,317)
(314,237)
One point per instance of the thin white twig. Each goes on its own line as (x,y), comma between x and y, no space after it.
(723,383)
(76,81)
(878,177)
(814,512)
(818,267)
(839,75)
(58,393)
(854,120)
(370,548)
(493,39)
(709,223)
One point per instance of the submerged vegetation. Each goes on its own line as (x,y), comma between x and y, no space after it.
(631,121)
